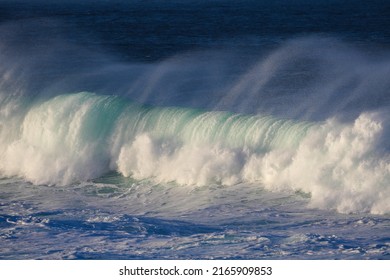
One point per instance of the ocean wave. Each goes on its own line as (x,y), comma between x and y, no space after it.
(310,116)
(76,137)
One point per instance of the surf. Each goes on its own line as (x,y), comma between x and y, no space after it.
(81,136)
(309,116)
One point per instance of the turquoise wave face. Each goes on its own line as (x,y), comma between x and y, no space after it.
(84,126)
(81,136)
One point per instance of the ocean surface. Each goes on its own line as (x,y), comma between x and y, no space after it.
(194,129)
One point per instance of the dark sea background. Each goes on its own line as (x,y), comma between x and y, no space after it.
(194,129)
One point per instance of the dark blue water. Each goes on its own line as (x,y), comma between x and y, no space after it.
(194,129)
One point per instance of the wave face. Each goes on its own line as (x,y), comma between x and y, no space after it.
(81,136)
(298,119)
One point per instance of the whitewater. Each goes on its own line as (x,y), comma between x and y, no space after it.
(78,137)
(280,151)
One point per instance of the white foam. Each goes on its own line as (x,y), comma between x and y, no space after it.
(336,163)
(53,147)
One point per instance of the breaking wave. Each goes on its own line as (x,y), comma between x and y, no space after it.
(81,136)
(316,129)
